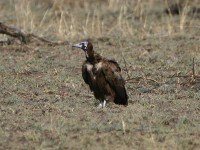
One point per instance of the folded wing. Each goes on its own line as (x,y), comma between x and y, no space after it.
(112,74)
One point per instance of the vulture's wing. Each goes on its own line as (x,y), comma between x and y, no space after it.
(112,73)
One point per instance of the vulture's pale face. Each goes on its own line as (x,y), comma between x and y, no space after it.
(86,46)
(82,45)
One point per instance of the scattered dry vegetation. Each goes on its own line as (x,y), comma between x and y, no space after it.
(44,103)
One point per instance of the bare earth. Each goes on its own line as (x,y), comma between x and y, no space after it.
(45,104)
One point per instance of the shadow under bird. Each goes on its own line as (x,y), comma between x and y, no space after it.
(103,76)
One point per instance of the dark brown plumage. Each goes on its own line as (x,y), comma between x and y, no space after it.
(103,76)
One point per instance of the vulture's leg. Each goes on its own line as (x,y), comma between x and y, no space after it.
(104,103)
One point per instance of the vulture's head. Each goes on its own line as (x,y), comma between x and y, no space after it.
(87,47)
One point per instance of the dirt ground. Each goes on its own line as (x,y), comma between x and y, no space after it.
(45,104)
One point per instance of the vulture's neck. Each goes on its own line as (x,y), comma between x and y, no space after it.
(94,58)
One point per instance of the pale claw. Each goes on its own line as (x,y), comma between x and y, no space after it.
(102,105)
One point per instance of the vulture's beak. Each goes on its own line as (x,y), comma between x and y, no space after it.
(79,45)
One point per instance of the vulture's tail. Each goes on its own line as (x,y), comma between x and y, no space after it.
(122,98)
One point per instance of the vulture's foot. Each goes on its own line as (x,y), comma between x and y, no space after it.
(102,104)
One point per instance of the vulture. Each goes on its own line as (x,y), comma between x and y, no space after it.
(103,76)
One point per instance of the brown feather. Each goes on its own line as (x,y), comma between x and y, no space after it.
(104,78)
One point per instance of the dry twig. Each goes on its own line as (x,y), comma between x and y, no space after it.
(190,78)
(23,37)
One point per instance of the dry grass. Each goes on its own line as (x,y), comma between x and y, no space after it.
(44,103)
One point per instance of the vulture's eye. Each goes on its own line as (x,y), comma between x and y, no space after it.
(84,46)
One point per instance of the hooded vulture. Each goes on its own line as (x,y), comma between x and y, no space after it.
(103,76)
